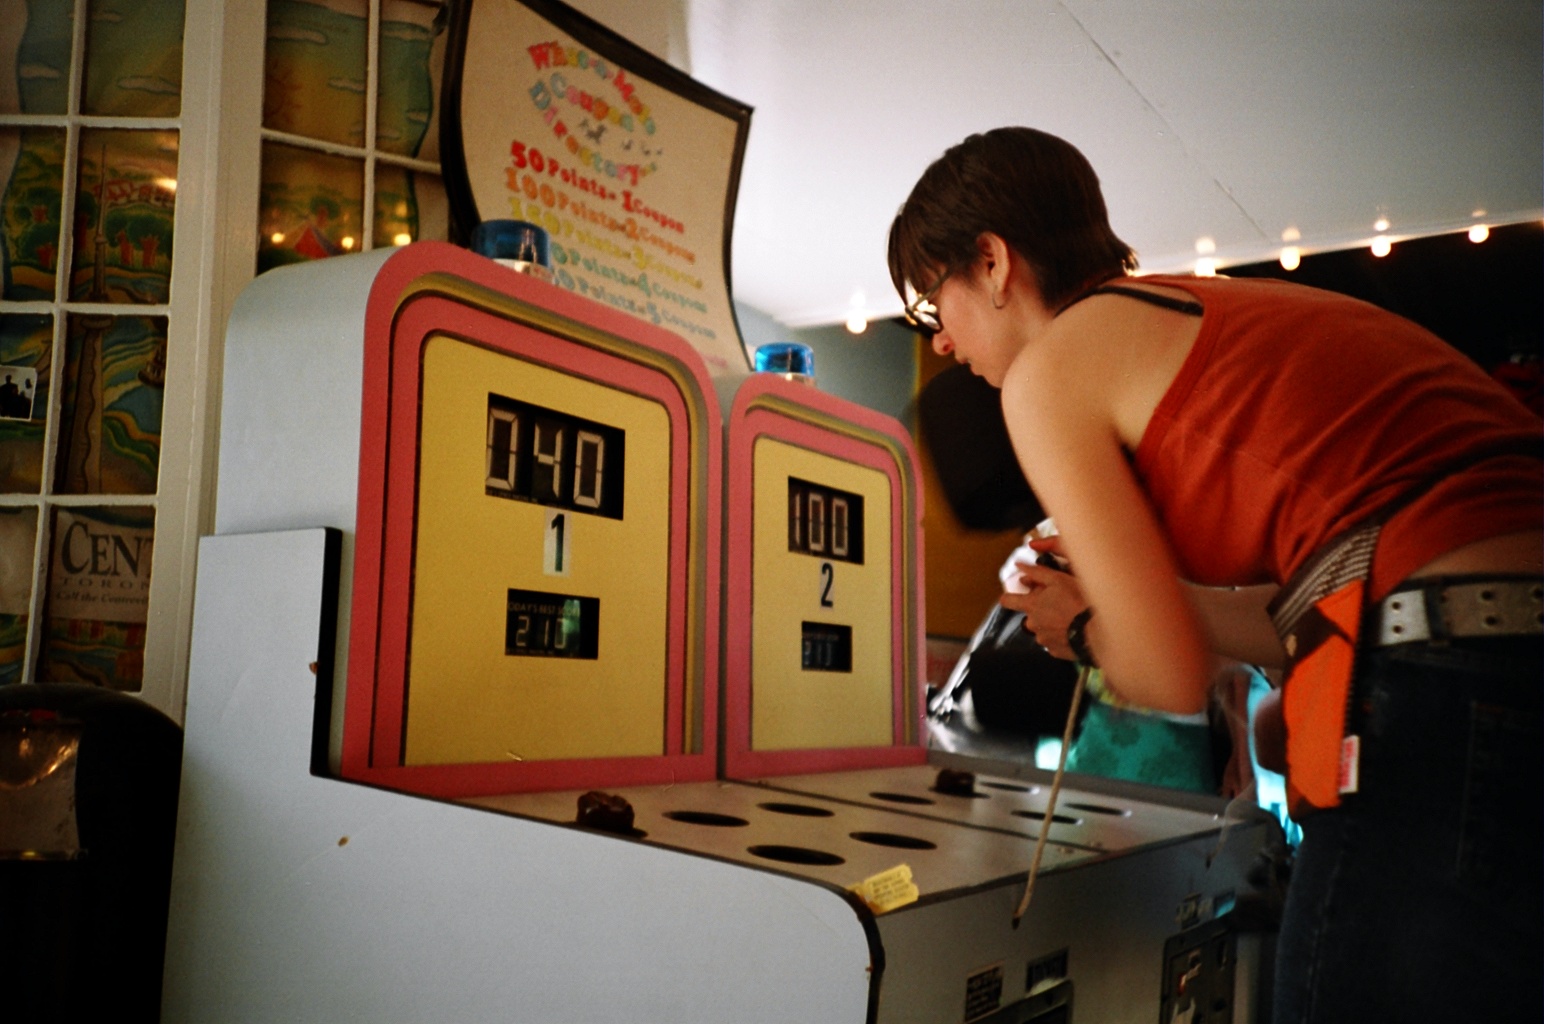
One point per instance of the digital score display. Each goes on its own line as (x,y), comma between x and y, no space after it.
(552,458)
(518,510)
(825,522)
(826,647)
(542,625)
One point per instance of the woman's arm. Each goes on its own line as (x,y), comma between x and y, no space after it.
(1057,402)
(1237,623)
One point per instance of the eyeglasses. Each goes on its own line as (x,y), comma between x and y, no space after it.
(921,313)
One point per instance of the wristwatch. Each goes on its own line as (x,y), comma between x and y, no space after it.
(1077,638)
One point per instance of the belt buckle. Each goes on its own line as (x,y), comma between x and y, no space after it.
(1403,618)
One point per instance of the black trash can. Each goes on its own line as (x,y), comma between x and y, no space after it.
(88,816)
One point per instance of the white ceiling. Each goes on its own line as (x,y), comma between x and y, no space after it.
(1234,120)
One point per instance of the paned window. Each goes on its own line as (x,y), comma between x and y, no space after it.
(90,138)
(350,128)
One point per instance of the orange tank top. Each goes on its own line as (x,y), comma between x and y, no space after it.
(1301,413)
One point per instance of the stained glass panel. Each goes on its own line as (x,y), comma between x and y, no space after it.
(311,206)
(18,539)
(133,58)
(32,167)
(98,594)
(314,82)
(125,203)
(409,206)
(26,355)
(110,408)
(35,56)
(412,62)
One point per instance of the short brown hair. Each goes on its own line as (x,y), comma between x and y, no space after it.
(1033,189)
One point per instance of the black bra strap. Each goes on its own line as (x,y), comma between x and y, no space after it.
(1189,307)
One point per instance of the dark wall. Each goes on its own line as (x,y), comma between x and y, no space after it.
(1486,299)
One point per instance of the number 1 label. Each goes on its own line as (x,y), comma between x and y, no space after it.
(555,553)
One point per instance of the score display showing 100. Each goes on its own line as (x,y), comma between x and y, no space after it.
(552,458)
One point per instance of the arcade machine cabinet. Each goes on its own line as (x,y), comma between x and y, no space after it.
(417,653)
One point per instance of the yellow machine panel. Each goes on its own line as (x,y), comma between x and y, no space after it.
(822,643)
(538,627)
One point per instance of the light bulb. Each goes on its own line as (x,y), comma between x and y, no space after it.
(401,238)
(1291,257)
(1206,267)
(1479,233)
(1381,246)
(856,323)
(347,242)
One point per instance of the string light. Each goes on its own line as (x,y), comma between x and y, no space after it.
(347,242)
(1291,257)
(1381,246)
(857,321)
(401,238)
(1479,233)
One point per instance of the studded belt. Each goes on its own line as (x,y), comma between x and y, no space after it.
(1449,609)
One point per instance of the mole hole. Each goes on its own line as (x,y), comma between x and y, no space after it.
(1099,809)
(901,798)
(1056,819)
(1009,787)
(795,855)
(900,842)
(707,818)
(801,810)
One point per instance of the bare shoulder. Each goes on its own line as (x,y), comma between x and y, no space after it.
(1112,355)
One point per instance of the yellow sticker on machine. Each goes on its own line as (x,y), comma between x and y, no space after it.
(888,890)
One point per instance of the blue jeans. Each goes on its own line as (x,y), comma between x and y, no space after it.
(1419,898)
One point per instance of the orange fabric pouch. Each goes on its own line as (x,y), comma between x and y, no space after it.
(1316,697)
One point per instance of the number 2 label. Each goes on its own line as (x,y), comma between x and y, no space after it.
(555,544)
(827,577)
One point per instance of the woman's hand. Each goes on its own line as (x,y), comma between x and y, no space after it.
(1053,600)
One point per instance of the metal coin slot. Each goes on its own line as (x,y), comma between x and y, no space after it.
(1011,787)
(899,842)
(706,818)
(1056,819)
(796,855)
(799,810)
(901,798)
(1100,809)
